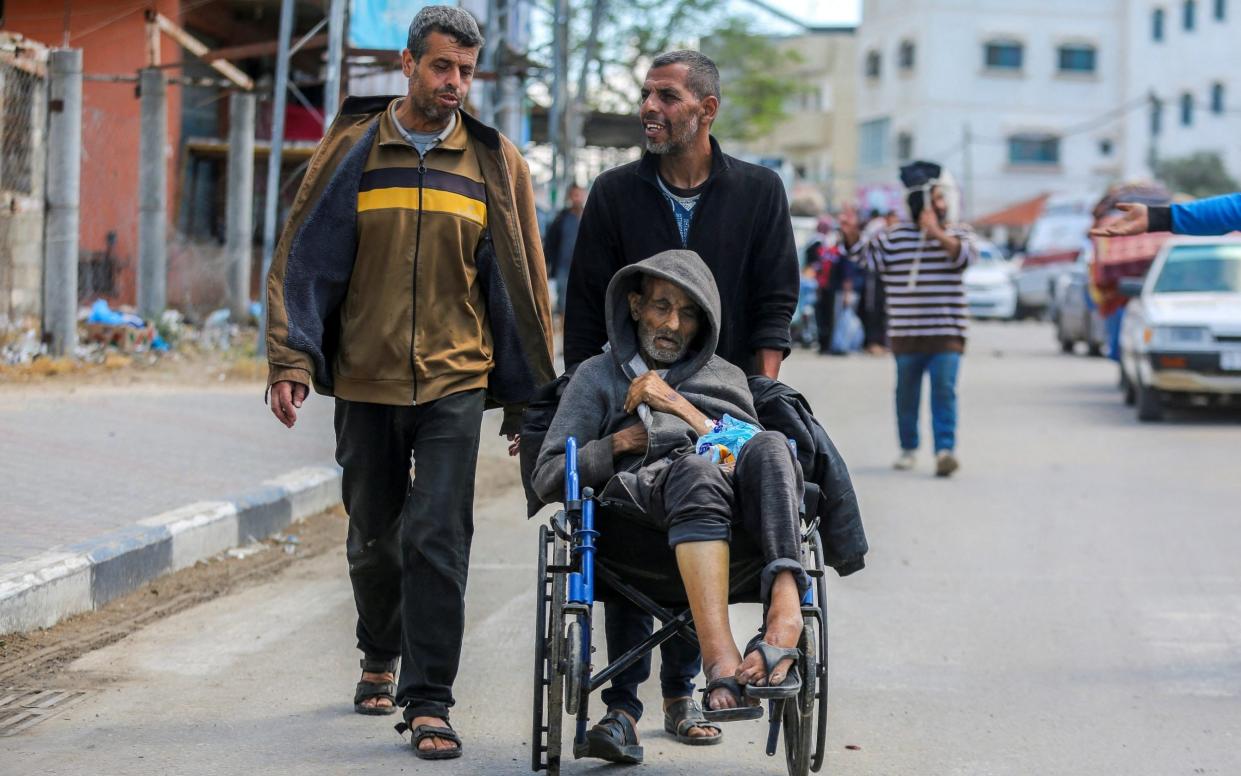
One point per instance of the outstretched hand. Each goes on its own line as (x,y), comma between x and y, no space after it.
(286,399)
(1136,220)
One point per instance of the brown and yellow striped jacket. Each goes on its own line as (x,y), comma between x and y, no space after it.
(401,279)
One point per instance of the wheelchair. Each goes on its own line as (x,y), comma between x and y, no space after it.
(578,565)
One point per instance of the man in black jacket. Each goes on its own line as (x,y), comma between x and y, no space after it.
(684,193)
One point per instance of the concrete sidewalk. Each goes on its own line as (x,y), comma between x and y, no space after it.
(80,464)
(108,487)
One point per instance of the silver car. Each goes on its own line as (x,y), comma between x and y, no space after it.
(1181,336)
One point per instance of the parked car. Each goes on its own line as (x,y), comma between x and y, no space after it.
(989,287)
(1074,313)
(1181,336)
(1056,239)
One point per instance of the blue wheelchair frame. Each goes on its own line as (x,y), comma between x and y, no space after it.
(564,679)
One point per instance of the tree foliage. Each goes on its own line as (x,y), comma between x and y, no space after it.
(1200,175)
(756,78)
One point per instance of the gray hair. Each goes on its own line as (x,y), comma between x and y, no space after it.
(704,76)
(448,19)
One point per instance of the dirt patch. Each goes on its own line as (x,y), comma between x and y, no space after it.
(187,367)
(43,653)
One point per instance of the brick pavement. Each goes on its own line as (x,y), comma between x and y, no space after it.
(74,465)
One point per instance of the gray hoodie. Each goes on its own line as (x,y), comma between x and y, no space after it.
(592,407)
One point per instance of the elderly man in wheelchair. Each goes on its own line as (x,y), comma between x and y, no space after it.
(668,430)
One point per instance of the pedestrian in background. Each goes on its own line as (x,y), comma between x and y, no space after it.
(559,240)
(409,283)
(920,265)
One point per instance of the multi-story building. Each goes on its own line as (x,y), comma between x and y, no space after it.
(1183,64)
(816,144)
(1008,94)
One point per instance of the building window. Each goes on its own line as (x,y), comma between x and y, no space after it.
(872,64)
(1190,10)
(1217,98)
(904,147)
(1187,110)
(1221,10)
(1002,55)
(1076,59)
(1156,115)
(873,143)
(905,58)
(1157,25)
(1105,147)
(1034,149)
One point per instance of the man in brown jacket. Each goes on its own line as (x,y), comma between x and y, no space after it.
(410,284)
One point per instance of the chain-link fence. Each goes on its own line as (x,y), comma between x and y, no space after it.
(23,97)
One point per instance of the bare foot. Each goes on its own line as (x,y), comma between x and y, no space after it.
(784,627)
(432,742)
(376,702)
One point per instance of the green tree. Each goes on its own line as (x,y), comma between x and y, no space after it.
(1200,175)
(757,80)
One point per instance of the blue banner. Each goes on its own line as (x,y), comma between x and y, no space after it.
(382,24)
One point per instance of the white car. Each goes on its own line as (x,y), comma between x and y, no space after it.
(989,287)
(1181,336)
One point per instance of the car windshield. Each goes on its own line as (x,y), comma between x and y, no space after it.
(1201,268)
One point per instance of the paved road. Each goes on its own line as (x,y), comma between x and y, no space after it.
(79,464)
(1070,604)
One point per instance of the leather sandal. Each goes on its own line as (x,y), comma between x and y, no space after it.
(737,713)
(613,739)
(772,655)
(422,732)
(685,714)
(367,690)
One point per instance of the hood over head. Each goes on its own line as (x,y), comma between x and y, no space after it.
(687,270)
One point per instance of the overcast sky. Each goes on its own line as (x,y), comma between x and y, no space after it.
(817,12)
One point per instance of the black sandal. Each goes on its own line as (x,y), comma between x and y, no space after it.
(613,739)
(367,690)
(735,714)
(423,732)
(772,655)
(685,714)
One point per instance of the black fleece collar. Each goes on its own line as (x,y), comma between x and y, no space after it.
(648,167)
(488,136)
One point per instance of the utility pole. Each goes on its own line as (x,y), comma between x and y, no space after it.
(239,230)
(556,123)
(335,39)
(152,194)
(271,207)
(64,175)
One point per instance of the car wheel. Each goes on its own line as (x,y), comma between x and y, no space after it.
(1149,402)
(1066,345)
(1094,349)
(1126,388)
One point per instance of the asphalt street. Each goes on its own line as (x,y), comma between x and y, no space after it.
(1069,603)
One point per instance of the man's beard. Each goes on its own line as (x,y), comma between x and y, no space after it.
(654,352)
(428,104)
(679,137)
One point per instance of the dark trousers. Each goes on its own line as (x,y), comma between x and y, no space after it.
(698,501)
(825,318)
(409,538)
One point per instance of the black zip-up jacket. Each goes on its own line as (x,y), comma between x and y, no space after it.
(741,229)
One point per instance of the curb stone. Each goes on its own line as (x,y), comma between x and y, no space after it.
(41,591)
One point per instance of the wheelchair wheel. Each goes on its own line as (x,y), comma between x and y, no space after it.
(574,668)
(821,663)
(797,714)
(548,643)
